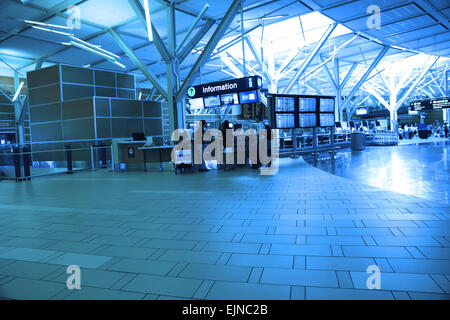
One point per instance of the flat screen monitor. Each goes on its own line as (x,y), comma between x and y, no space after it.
(284,104)
(326,105)
(307,105)
(248,97)
(361,111)
(285,121)
(139,136)
(326,120)
(338,125)
(307,120)
(230,98)
(195,104)
(211,102)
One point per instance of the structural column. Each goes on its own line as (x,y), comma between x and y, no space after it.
(173,78)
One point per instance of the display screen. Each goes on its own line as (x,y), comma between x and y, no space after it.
(327,120)
(326,105)
(361,111)
(301,111)
(230,98)
(307,120)
(307,105)
(284,104)
(248,97)
(195,104)
(285,121)
(213,101)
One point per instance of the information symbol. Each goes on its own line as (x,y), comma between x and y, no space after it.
(191,92)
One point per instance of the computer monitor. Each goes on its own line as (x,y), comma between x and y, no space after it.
(139,136)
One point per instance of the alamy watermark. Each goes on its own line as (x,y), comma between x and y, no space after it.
(74,280)
(374,280)
(241,147)
(374,20)
(74,19)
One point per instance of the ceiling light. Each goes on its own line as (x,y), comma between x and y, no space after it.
(50,30)
(47,24)
(119,64)
(83,47)
(16,95)
(147,20)
(94,47)
(264,18)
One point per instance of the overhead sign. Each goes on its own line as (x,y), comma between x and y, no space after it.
(224,87)
(441,103)
(430,104)
(419,105)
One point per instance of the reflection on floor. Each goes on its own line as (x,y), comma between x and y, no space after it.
(422,170)
(300,234)
(417,140)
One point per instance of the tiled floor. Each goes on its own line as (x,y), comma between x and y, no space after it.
(301,234)
(417,167)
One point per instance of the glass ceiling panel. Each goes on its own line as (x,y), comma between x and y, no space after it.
(286,35)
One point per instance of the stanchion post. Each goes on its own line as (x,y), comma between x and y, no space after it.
(69,159)
(16,157)
(102,154)
(92,158)
(112,158)
(26,163)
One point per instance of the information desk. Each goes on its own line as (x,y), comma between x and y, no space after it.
(160,150)
(139,157)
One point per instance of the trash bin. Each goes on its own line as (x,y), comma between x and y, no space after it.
(358,141)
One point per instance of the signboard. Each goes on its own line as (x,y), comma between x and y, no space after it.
(224,87)
(419,105)
(441,103)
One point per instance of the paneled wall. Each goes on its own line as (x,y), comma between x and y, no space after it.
(81,107)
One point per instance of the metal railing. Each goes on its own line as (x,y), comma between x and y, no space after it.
(21,163)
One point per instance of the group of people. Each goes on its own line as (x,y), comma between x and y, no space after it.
(440,130)
(409,131)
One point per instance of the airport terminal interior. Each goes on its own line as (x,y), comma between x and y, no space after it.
(224,150)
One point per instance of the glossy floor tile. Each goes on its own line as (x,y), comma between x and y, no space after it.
(421,170)
(301,234)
